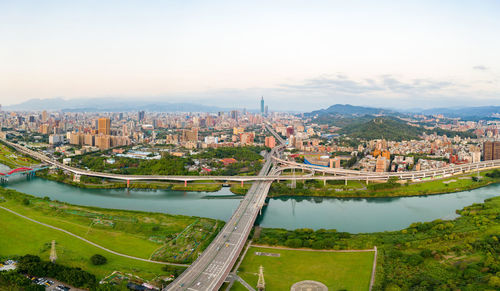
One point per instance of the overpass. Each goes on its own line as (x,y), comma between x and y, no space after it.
(211,268)
(363,175)
(284,164)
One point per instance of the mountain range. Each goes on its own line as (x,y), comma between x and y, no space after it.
(350,110)
(337,110)
(346,110)
(110,105)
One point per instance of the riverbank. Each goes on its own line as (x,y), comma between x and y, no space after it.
(97,183)
(357,189)
(13,159)
(460,254)
(146,235)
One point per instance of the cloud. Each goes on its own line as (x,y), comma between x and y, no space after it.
(480,68)
(383,85)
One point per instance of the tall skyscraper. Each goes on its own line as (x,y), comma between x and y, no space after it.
(491,150)
(141,115)
(262,105)
(104,126)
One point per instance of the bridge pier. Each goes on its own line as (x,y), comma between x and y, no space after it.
(241,183)
(185,183)
(346,182)
(128,183)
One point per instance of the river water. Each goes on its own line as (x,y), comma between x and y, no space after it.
(344,214)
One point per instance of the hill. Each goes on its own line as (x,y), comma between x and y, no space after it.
(479,112)
(350,110)
(383,127)
(392,128)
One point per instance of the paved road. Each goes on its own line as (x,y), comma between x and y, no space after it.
(339,174)
(89,242)
(210,270)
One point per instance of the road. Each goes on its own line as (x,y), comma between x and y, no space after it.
(338,174)
(210,270)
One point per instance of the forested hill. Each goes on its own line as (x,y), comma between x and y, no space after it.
(383,127)
(349,110)
(391,128)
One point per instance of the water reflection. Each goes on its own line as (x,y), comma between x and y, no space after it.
(344,214)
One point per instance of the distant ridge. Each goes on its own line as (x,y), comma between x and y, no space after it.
(464,112)
(349,110)
(346,110)
(110,105)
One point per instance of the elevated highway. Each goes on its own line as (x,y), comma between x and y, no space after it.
(280,163)
(412,175)
(210,270)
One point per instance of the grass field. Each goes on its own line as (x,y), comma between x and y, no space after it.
(13,159)
(135,233)
(337,270)
(452,184)
(20,236)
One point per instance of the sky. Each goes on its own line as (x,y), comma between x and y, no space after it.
(299,55)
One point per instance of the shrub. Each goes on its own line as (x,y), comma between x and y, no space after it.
(98,260)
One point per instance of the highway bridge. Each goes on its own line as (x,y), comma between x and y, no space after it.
(210,270)
(280,165)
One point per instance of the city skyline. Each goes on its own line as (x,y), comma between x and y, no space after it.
(298,55)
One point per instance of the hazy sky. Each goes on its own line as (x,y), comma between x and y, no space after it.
(299,54)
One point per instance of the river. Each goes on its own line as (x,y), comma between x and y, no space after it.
(344,214)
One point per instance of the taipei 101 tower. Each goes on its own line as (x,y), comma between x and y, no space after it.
(262,105)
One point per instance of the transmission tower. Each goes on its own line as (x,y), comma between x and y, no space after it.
(261,284)
(53,254)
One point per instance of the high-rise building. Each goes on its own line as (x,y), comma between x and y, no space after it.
(234,114)
(104,126)
(190,135)
(491,150)
(266,109)
(44,116)
(262,105)
(270,141)
(141,115)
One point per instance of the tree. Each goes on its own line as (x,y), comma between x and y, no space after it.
(98,260)
(26,201)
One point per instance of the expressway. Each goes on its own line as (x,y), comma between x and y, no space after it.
(211,268)
(338,173)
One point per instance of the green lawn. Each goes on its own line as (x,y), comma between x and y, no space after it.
(349,271)
(455,183)
(14,159)
(134,233)
(20,236)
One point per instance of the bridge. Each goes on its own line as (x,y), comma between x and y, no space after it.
(22,170)
(212,267)
(338,173)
